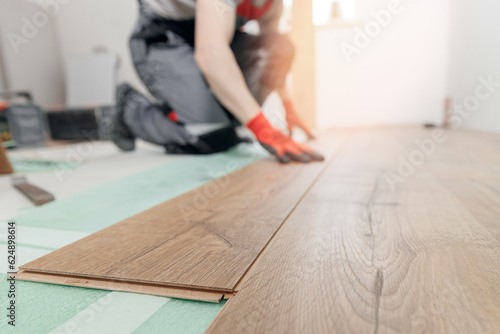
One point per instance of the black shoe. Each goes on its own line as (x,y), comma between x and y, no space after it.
(120,132)
(214,142)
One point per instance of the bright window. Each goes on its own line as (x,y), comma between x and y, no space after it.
(323,10)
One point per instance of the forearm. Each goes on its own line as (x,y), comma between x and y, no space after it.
(226,80)
(283,93)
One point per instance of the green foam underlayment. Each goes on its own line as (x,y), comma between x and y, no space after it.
(42,308)
(180,316)
(111,203)
(22,165)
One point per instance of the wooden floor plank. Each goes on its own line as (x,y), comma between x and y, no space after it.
(146,289)
(357,257)
(475,158)
(205,239)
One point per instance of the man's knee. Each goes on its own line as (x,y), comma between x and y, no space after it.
(281,48)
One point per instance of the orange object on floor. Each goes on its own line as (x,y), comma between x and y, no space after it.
(5,166)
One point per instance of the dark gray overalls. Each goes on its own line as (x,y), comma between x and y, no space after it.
(163,55)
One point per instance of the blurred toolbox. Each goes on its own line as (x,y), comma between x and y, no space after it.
(23,124)
(81,124)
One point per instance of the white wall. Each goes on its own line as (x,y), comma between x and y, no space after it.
(77,28)
(475,51)
(400,77)
(84,25)
(403,76)
(1,79)
(34,66)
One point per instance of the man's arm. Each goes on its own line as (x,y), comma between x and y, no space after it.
(270,22)
(215,25)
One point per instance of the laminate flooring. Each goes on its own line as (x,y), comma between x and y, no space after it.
(359,255)
(204,240)
(397,232)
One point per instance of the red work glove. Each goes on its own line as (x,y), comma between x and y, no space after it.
(293,119)
(280,145)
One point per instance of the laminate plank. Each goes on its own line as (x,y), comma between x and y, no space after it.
(475,157)
(205,239)
(356,256)
(33,193)
(146,289)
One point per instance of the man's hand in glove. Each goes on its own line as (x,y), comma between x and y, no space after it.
(293,119)
(280,145)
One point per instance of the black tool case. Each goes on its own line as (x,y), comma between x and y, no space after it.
(25,122)
(80,124)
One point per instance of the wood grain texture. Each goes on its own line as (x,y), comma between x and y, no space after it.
(147,289)
(357,256)
(205,239)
